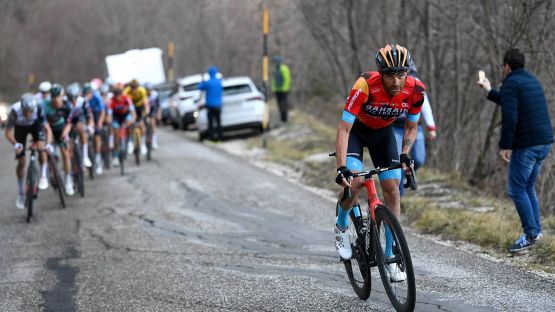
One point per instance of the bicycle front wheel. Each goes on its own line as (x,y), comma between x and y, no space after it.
(148,141)
(78,171)
(394,261)
(30,193)
(56,176)
(358,268)
(121,156)
(137,144)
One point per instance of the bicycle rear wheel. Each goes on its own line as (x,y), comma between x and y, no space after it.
(358,268)
(402,294)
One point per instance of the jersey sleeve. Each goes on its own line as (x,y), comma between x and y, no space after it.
(418,97)
(130,103)
(99,102)
(41,117)
(428,114)
(12,118)
(357,97)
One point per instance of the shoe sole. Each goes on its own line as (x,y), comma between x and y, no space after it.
(514,251)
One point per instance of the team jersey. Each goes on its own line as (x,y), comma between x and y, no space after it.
(153,99)
(120,105)
(17,118)
(372,105)
(138,96)
(80,111)
(96,104)
(41,98)
(57,117)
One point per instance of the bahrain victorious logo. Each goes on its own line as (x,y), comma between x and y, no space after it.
(384,112)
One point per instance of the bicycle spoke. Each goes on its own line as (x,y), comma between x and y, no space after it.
(394,261)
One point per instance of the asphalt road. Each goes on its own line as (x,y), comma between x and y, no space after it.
(197,229)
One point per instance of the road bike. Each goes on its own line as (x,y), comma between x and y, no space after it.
(137,134)
(77,166)
(369,244)
(122,152)
(92,154)
(31,185)
(148,139)
(56,177)
(105,148)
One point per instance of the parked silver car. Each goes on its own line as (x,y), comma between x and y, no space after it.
(243,106)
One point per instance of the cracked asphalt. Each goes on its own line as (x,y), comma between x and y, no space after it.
(198,229)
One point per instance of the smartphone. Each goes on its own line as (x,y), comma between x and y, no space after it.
(481,75)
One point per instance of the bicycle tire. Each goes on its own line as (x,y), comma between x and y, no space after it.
(81,182)
(78,169)
(30,191)
(105,141)
(58,178)
(402,255)
(148,141)
(360,258)
(121,162)
(92,156)
(91,172)
(137,145)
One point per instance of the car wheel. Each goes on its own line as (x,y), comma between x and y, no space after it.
(261,128)
(184,124)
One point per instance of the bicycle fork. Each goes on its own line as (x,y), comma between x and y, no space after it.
(373,202)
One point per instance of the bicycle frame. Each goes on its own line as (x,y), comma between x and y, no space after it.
(373,198)
(122,137)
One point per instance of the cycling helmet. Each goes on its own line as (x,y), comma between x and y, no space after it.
(393,59)
(96,83)
(87,87)
(134,83)
(28,103)
(148,86)
(45,86)
(104,88)
(56,90)
(73,91)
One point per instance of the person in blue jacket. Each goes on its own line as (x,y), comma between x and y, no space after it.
(213,89)
(526,139)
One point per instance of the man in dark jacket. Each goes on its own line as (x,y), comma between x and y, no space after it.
(526,138)
(213,88)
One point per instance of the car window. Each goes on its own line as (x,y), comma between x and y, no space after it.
(237,89)
(190,87)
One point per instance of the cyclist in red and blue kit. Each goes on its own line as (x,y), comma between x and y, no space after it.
(122,113)
(376,100)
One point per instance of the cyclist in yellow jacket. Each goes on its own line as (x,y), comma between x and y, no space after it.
(139,96)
